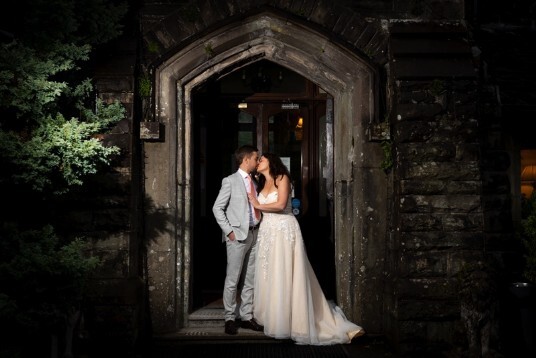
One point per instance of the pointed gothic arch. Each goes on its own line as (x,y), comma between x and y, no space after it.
(360,193)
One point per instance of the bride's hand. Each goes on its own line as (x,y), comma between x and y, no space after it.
(253,199)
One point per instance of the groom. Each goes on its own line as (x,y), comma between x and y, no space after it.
(239,224)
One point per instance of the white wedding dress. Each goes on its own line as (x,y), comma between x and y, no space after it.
(288,299)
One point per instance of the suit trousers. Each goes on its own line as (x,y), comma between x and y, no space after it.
(240,277)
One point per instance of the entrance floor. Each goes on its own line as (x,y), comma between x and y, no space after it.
(207,323)
(239,347)
(205,337)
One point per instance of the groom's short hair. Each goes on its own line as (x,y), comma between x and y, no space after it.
(243,152)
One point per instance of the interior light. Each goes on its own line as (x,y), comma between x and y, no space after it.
(529,173)
(300,123)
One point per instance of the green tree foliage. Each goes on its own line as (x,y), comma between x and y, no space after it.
(59,153)
(51,143)
(41,86)
(43,280)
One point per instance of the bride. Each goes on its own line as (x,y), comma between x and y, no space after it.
(288,299)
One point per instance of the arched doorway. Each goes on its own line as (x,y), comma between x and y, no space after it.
(279,111)
(358,182)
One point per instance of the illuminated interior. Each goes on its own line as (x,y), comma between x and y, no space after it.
(528,172)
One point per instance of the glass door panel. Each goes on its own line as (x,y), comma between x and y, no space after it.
(285,138)
(247,130)
(281,132)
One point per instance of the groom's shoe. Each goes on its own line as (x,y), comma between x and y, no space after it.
(251,324)
(230,327)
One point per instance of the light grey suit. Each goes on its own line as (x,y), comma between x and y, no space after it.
(232,212)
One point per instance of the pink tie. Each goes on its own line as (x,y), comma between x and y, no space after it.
(252,190)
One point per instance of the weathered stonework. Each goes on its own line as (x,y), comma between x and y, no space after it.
(404,236)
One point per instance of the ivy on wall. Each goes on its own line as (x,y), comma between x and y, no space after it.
(387,162)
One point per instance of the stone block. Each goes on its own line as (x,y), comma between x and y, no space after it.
(153,131)
(429,310)
(379,131)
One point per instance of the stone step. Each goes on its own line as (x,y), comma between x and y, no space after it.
(189,335)
(207,324)
(210,315)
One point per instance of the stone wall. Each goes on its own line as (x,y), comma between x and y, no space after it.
(114,314)
(438,180)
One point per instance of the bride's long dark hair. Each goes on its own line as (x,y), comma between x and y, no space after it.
(276,169)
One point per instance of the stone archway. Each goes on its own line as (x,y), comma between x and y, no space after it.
(360,185)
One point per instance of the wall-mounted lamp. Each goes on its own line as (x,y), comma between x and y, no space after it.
(300,123)
(298,131)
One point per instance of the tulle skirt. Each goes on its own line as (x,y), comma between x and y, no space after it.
(288,299)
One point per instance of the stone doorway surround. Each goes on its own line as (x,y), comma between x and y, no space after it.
(361,187)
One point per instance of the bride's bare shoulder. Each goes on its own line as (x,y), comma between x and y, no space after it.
(282,179)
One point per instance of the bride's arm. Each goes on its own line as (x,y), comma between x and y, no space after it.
(283,191)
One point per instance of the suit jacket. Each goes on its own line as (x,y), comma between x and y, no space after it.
(231,208)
